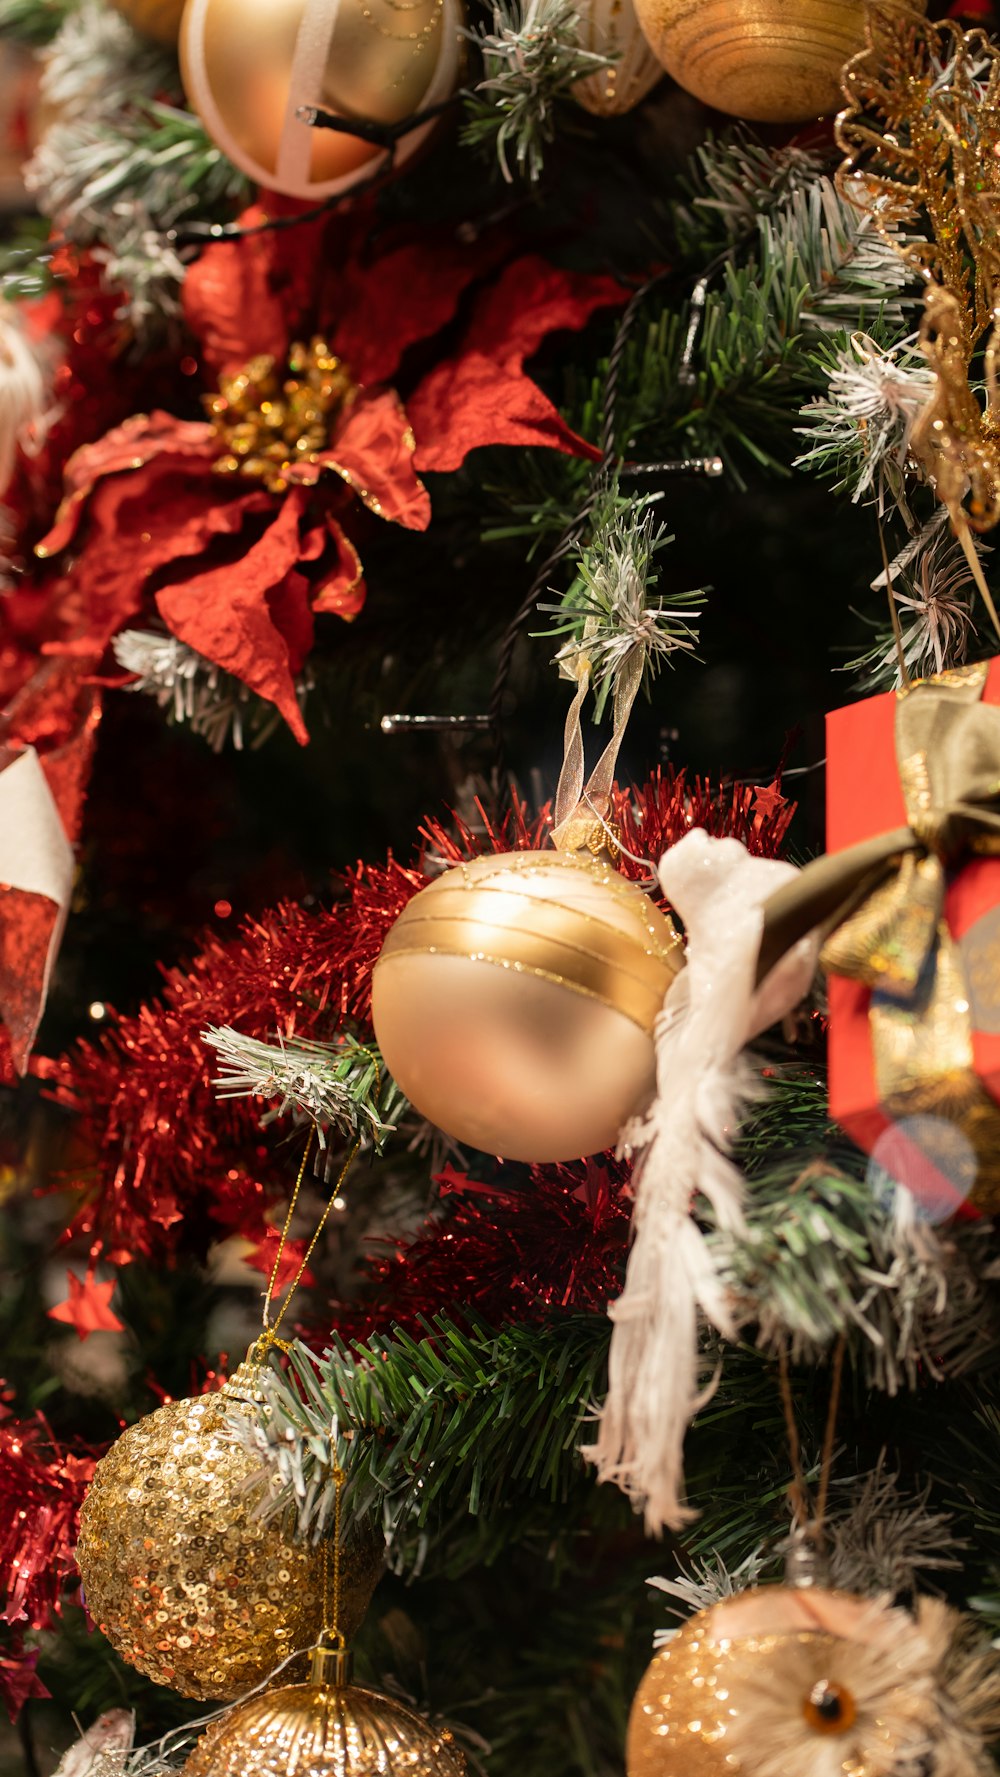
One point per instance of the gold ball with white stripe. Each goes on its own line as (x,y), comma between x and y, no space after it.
(515,998)
(249,65)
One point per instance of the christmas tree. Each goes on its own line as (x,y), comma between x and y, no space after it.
(499,1130)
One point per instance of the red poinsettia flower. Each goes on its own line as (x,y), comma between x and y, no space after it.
(234,529)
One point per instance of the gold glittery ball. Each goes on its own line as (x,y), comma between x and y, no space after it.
(788,1682)
(316,1730)
(185,1582)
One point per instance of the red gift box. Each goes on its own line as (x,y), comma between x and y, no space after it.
(865,799)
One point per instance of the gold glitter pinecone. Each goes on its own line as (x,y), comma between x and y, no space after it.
(184,1581)
(319,1730)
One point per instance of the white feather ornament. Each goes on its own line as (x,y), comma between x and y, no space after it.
(683,1143)
(103,1749)
(23,395)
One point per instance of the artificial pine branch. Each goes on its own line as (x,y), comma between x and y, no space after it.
(194,692)
(608,612)
(341,1085)
(532,57)
(119,167)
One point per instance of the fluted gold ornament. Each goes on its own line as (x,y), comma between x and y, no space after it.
(775,61)
(611,28)
(515,998)
(324,1730)
(159,19)
(185,1582)
(794,1682)
(249,65)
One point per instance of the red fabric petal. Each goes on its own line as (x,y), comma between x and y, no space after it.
(483,395)
(404,296)
(478,402)
(252,295)
(373,454)
(141,524)
(227,613)
(341,591)
(129,446)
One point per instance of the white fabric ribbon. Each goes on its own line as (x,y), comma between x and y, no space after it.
(713,1009)
(36,858)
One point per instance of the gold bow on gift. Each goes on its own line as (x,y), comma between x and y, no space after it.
(882,904)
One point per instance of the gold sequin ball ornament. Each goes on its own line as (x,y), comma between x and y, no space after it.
(775,61)
(250,66)
(186,1583)
(159,19)
(812,1683)
(514,1002)
(611,28)
(326,1728)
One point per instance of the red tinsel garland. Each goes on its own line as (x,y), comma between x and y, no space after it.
(165,1163)
(42,1485)
(508,1252)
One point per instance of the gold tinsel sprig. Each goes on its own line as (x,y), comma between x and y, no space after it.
(268,425)
(920,134)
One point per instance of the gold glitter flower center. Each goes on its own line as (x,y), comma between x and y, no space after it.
(267,425)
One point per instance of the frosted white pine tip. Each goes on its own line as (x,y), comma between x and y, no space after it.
(292,1072)
(25,413)
(193,690)
(873,401)
(708,1583)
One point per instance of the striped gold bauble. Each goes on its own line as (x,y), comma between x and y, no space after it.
(773,61)
(610,28)
(515,998)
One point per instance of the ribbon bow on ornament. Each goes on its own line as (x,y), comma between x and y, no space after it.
(881,902)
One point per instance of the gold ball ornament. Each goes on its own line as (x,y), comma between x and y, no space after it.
(185,1582)
(786,1683)
(323,1729)
(515,998)
(249,65)
(610,27)
(774,61)
(159,19)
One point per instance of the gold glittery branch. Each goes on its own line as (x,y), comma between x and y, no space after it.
(920,135)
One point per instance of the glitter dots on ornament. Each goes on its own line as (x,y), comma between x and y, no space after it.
(782,1682)
(185,1581)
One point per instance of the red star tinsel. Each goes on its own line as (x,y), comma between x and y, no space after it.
(18,1678)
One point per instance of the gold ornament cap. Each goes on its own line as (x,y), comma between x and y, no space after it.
(324,1730)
